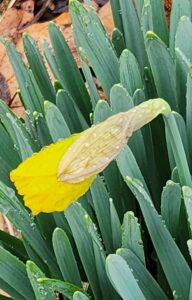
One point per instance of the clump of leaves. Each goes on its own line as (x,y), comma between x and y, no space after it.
(129,237)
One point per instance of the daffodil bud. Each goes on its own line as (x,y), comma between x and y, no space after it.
(97,146)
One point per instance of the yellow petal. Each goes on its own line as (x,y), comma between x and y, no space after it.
(36,179)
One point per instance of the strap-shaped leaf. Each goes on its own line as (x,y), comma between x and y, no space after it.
(163,71)
(115,226)
(178,10)
(100,258)
(130,76)
(91,36)
(12,272)
(41,291)
(131,235)
(38,68)
(132,33)
(189,110)
(55,122)
(174,138)
(24,143)
(172,261)
(30,92)
(118,41)
(13,245)
(65,288)
(170,206)
(116,11)
(94,94)
(75,215)
(159,20)
(70,111)
(146,282)
(122,278)
(102,210)
(187,195)
(12,207)
(65,257)
(184,28)
(43,133)
(79,296)
(70,76)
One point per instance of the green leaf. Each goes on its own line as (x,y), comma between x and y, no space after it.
(131,235)
(102,111)
(118,41)
(7,150)
(70,111)
(187,195)
(65,257)
(122,279)
(91,36)
(177,11)
(50,57)
(130,76)
(127,165)
(147,17)
(41,292)
(163,71)
(94,94)
(172,261)
(102,210)
(30,125)
(31,95)
(115,226)
(184,28)
(55,122)
(151,290)
(75,215)
(24,143)
(13,245)
(116,11)
(12,208)
(189,111)
(132,33)
(183,133)
(189,244)
(159,20)
(38,68)
(170,207)
(43,133)
(70,76)
(12,272)
(33,256)
(121,101)
(65,288)
(79,296)
(139,6)
(4,172)
(100,258)
(182,69)
(10,291)
(173,137)
(190,292)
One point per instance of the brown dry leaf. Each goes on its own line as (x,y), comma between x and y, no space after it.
(15,19)
(39,31)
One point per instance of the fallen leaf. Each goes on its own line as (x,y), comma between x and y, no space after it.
(39,31)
